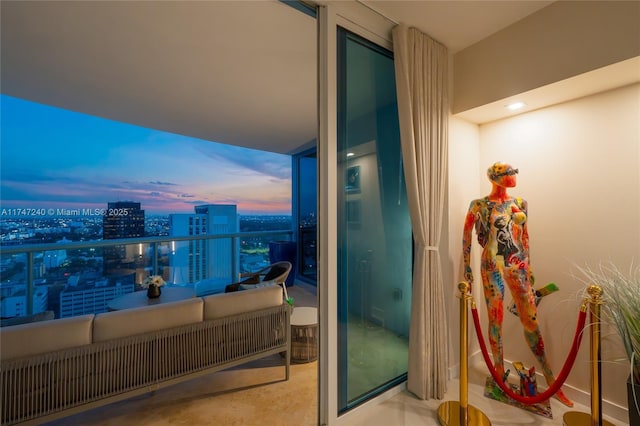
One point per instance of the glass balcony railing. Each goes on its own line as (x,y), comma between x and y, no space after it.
(76,278)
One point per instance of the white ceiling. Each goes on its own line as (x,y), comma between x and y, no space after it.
(241,73)
(456,24)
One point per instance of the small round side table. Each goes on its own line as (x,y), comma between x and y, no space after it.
(304,335)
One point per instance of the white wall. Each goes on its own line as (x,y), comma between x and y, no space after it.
(464,168)
(560,41)
(580,172)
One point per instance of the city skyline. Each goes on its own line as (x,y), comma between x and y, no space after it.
(56,159)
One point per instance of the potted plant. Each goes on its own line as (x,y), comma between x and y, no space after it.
(153,284)
(621,307)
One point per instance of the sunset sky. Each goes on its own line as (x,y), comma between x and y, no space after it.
(51,158)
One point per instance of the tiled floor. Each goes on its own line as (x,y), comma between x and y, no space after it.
(406,410)
(256,395)
(252,394)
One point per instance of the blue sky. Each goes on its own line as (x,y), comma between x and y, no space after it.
(52,158)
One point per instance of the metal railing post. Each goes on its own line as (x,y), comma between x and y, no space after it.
(460,413)
(234,258)
(155,257)
(30,285)
(575,418)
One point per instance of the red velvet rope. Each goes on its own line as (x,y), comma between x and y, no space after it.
(566,369)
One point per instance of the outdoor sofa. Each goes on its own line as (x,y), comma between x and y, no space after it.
(52,369)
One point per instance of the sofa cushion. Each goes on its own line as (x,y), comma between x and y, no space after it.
(226,304)
(45,336)
(129,322)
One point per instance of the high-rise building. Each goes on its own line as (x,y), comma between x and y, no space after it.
(192,261)
(188,259)
(122,219)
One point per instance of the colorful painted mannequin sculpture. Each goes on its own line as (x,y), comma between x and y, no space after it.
(500,221)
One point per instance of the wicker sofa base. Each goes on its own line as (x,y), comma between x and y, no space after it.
(53,385)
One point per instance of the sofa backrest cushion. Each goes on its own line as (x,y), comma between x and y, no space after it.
(45,336)
(129,322)
(226,304)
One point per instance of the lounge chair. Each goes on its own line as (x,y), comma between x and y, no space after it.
(276,273)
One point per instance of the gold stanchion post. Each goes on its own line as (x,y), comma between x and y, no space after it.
(575,418)
(460,413)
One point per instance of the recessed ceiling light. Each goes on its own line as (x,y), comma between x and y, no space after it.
(516,106)
(350,154)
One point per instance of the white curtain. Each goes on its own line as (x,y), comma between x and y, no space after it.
(421,65)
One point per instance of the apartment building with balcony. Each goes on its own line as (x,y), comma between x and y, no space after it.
(198,260)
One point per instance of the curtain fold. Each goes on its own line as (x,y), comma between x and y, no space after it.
(421,66)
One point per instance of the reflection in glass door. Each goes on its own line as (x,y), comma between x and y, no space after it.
(306,210)
(374,229)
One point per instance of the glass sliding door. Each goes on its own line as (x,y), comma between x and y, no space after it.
(374,229)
